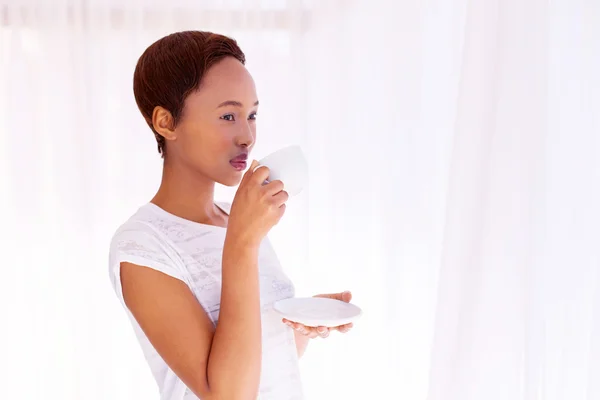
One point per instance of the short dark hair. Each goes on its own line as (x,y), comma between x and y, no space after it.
(172,68)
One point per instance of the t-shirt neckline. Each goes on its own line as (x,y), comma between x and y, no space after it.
(158,210)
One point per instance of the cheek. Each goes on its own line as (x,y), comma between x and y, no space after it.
(221,140)
(199,136)
(224,138)
(218,142)
(208,140)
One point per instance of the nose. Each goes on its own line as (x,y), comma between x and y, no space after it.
(245,137)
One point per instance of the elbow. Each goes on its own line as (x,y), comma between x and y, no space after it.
(227,396)
(230,391)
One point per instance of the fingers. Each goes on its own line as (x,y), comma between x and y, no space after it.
(260,174)
(345,328)
(311,332)
(273,187)
(281,198)
(345,296)
(305,330)
(253,165)
(319,331)
(322,331)
(248,174)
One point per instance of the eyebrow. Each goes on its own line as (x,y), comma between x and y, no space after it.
(233,103)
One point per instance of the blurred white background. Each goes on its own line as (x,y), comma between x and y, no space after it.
(454,149)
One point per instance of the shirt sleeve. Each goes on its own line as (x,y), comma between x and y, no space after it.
(138,246)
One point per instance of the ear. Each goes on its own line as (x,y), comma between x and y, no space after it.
(163,123)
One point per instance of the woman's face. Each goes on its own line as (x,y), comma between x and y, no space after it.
(217,128)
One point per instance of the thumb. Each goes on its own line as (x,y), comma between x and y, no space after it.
(253,166)
(345,296)
(250,170)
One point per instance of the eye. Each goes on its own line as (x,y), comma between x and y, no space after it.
(253,116)
(228,117)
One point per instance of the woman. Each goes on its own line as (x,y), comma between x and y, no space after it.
(198,279)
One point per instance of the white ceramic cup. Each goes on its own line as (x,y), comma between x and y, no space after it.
(289,166)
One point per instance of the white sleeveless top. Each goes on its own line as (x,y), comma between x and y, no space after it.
(192,252)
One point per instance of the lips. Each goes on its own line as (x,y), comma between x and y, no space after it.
(241,157)
(239,162)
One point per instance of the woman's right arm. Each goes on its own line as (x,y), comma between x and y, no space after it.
(222,362)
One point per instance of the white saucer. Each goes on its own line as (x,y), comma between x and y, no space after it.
(317,311)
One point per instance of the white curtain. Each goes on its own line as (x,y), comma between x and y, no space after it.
(454,149)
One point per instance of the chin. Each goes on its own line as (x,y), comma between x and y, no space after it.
(232,180)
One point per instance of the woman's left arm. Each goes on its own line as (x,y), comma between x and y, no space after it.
(302,333)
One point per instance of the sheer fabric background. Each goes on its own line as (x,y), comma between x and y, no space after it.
(455,166)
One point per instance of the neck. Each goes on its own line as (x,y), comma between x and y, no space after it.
(187,194)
